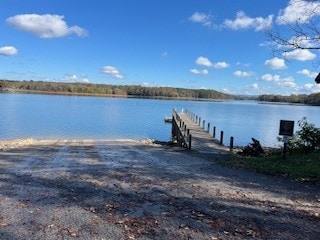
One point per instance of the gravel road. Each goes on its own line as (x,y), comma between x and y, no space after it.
(139,190)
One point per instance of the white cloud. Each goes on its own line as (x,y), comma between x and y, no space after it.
(276,78)
(75,78)
(227,91)
(45,26)
(311,88)
(164,54)
(255,86)
(220,65)
(263,23)
(203,18)
(308,73)
(242,21)
(299,54)
(243,64)
(112,71)
(304,41)
(70,77)
(276,63)
(287,82)
(203,61)
(8,51)
(268,77)
(243,74)
(201,72)
(299,11)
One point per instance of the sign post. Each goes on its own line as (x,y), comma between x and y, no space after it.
(286,130)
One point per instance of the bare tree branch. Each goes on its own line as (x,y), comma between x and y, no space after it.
(302,33)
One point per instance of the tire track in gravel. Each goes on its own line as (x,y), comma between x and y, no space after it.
(48,163)
(46,199)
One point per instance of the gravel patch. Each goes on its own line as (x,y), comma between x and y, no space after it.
(140,190)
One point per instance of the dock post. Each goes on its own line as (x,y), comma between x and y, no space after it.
(214,132)
(199,121)
(172,128)
(208,127)
(203,123)
(221,137)
(189,138)
(196,118)
(231,143)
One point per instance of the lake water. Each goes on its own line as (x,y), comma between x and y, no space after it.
(75,117)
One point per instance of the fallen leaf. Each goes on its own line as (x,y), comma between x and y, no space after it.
(4,224)
(73,232)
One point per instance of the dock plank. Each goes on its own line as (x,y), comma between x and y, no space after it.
(202,141)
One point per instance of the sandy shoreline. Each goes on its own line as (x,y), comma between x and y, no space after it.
(16,143)
(88,189)
(7,144)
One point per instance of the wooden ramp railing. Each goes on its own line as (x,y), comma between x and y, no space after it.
(186,132)
(180,134)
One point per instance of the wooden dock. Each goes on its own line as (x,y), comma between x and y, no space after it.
(193,136)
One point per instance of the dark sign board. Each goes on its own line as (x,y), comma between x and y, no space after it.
(286,128)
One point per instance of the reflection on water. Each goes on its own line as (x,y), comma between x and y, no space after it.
(66,117)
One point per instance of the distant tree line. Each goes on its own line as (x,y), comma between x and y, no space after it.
(312,99)
(110,90)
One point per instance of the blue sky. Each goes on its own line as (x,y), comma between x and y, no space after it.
(218,45)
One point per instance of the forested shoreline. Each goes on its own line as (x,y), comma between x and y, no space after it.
(110,90)
(144,92)
(312,99)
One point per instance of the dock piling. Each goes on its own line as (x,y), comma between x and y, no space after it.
(221,137)
(231,143)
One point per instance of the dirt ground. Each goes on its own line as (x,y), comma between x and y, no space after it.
(139,190)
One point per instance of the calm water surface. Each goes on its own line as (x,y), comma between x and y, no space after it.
(74,117)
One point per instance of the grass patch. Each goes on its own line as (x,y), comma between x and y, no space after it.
(301,167)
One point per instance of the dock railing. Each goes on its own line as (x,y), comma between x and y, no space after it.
(195,118)
(180,134)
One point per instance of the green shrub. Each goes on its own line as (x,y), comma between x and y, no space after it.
(307,139)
